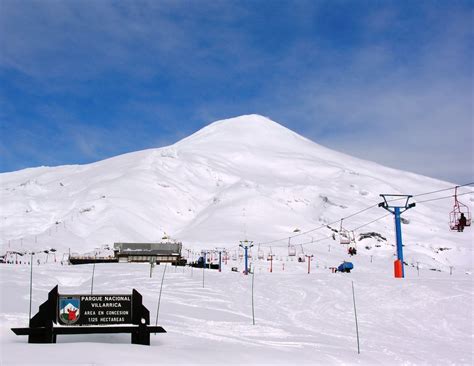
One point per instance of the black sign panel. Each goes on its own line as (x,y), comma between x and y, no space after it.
(94,309)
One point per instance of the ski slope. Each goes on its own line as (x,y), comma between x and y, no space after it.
(243,178)
(300,318)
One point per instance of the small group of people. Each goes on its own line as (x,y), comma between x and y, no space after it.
(352,251)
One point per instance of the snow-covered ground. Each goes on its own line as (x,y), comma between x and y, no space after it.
(246,177)
(300,318)
(243,178)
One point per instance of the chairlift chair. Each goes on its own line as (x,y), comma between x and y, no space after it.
(301,255)
(352,249)
(458,209)
(270,255)
(344,235)
(260,253)
(291,249)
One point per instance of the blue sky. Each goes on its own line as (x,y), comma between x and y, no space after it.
(388,81)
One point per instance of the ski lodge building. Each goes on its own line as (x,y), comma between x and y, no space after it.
(164,252)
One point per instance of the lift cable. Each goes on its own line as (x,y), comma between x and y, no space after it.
(380,218)
(442,190)
(363,210)
(442,198)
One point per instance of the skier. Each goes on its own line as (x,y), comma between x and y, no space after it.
(462,222)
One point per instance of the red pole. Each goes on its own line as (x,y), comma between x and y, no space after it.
(309,262)
(397,264)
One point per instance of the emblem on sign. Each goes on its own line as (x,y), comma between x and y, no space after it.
(69,307)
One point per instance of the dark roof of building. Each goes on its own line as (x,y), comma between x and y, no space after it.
(165,248)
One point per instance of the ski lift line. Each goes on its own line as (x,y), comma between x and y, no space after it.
(437,191)
(380,218)
(366,209)
(316,241)
(445,197)
(442,190)
(359,212)
(332,223)
(330,236)
(319,227)
(304,243)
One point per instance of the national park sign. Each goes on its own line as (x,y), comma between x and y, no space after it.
(94,309)
(88,314)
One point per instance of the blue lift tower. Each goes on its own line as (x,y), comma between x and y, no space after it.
(397,210)
(246,246)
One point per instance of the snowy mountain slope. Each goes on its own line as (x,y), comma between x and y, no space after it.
(245,177)
(300,318)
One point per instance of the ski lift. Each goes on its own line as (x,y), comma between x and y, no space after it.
(234,256)
(301,255)
(352,247)
(270,255)
(458,209)
(350,235)
(291,249)
(260,253)
(344,235)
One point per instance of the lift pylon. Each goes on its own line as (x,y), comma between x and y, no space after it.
(397,210)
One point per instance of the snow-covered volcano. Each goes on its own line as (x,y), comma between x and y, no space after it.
(241,178)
